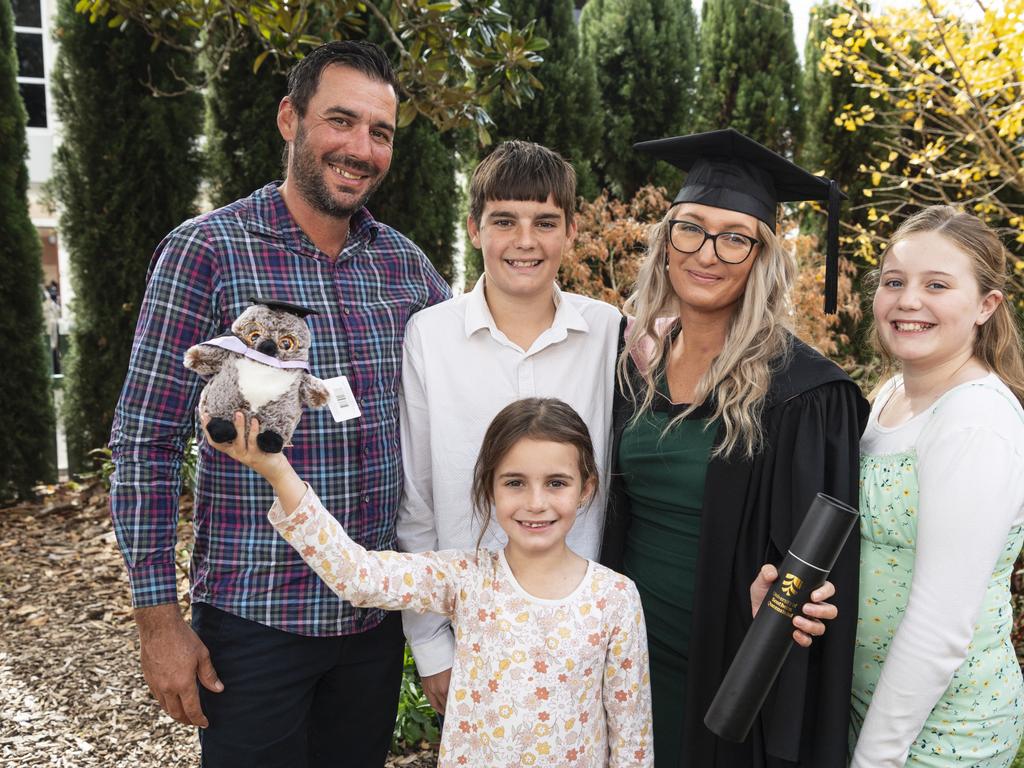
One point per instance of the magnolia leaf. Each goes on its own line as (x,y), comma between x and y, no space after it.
(258,62)
(406,113)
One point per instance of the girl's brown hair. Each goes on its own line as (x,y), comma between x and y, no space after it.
(997,342)
(534,418)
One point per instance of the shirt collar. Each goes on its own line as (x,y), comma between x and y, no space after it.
(478,314)
(268,215)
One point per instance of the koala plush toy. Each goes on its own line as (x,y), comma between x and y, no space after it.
(262,369)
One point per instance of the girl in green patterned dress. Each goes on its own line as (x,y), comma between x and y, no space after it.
(936,680)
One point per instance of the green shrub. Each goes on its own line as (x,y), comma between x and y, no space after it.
(419,196)
(416,721)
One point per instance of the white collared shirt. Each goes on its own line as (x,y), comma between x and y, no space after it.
(458,371)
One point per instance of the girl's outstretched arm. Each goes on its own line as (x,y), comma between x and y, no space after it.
(627,685)
(390,580)
(427,581)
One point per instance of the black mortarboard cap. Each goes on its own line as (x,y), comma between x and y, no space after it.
(725,169)
(283,306)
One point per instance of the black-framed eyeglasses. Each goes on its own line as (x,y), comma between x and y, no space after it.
(730,247)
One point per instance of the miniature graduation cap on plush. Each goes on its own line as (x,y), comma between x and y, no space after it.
(728,170)
(283,306)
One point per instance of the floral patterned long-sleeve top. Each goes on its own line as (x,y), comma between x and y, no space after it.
(535,682)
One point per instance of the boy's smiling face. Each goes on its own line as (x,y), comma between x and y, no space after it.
(522,243)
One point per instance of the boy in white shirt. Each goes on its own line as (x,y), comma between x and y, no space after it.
(514,335)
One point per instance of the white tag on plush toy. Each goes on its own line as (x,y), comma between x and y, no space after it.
(342,403)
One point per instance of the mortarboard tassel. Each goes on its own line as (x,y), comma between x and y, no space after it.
(832,249)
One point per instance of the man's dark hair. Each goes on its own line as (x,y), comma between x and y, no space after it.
(368,58)
(523,170)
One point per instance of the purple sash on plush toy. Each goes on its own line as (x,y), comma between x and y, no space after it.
(235,344)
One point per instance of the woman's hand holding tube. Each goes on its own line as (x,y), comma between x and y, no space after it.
(816,612)
(273,467)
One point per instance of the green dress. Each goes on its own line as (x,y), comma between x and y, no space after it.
(663,477)
(978,720)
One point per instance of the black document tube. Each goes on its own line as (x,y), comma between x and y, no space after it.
(764,649)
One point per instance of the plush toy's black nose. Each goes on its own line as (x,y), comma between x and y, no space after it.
(267,347)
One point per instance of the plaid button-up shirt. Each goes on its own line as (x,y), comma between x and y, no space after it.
(200,280)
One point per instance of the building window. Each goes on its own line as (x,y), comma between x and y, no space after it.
(28,42)
(27,13)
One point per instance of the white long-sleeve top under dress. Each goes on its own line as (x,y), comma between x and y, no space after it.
(936,681)
(535,681)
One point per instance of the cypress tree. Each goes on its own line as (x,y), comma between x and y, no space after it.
(243,144)
(126,173)
(419,196)
(749,73)
(644,53)
(839,153)
(26,419)
(827,146)
(563,114)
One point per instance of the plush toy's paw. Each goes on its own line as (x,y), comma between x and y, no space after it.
(314,392)
(205,360)
(221,430)
(200,357)
(270,441)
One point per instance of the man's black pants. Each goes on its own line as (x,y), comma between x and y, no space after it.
(291,701)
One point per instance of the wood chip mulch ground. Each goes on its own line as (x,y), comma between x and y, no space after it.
(71,691)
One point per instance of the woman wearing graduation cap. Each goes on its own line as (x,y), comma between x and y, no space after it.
(726,428)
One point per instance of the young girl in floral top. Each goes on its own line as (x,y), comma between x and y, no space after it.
(551,649)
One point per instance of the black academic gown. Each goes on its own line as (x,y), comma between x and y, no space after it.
(812,421)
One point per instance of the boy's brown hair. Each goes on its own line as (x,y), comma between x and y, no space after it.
(523,170)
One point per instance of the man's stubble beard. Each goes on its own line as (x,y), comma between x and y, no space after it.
(309,180)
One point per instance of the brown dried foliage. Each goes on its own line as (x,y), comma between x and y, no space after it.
(832,335)
(611,244)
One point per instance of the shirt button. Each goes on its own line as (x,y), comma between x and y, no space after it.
(347,311)
(366,499)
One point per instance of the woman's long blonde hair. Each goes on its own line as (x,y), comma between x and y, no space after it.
(997,342)
(738,379)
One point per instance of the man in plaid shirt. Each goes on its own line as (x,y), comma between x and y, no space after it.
(288,675)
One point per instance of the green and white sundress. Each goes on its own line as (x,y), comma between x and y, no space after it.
(936,681)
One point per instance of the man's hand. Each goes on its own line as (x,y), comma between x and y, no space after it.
(173,657)
(806,628)
(436,689)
